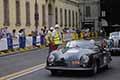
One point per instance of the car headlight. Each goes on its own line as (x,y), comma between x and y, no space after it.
(51,58)
(110,37)
(85,59)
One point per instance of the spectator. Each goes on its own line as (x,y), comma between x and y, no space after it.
(104,43)
(42,37)
(0,34)
(78,32)
(4,32)
(14,33)
(34,36)
(57,36)
(45,30)
(22,38)
(49,40)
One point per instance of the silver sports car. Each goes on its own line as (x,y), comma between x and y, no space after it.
(114,42)
(78,55)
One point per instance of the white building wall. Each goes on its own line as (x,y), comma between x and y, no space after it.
(64,4)
(95,12)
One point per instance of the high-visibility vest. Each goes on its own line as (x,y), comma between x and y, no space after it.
(73,36)
(57,38)
(49,37)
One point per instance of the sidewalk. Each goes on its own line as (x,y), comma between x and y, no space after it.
(18,51)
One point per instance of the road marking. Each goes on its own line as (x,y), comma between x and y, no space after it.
(23,72)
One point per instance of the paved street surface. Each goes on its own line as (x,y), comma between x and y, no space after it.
(18,62)
(30,66)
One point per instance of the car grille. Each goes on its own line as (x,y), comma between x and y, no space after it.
(65,64)
(59,63)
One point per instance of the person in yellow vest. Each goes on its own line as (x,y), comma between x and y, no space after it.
(49,39)
(57,36)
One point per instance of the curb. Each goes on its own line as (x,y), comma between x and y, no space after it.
(18,51)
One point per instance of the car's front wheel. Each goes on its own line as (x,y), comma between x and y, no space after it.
(54,72)
(95,69)
(108,66)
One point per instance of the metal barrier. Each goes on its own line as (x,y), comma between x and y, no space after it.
(10,43)
(19,42)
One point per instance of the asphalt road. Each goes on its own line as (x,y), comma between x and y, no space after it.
(15,63)
(111,74)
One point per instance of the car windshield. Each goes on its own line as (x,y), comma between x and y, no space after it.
(80,44)
(114,34)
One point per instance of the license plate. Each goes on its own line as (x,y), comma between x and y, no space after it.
(75,62)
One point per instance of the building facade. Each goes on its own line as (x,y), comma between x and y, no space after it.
(18,14)
(90,13)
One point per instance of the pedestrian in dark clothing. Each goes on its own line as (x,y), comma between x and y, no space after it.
(78,32)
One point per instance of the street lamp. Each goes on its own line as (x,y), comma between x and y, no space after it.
(36,17)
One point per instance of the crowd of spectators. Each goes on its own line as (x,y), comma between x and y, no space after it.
(43,32)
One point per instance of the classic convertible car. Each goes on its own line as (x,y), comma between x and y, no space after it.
(78,55)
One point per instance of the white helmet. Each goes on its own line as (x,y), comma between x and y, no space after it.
(57,26)
(92,41)
(51,28)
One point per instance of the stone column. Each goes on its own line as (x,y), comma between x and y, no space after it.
(12,10)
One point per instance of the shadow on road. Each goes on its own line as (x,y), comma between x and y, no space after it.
(80,74)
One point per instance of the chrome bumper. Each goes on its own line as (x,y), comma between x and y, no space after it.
(115,49)
(66,68)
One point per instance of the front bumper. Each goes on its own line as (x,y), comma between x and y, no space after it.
(68,69)
(115,49)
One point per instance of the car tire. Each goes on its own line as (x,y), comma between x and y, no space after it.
(54,72)
(95,69)
(108,66)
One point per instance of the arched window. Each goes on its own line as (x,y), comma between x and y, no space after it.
(6,12)
(27,14)
(88,11)
(50,9)
(69,18)
(43,15)
(65,18)
(18,21)
(76,19)
(61,17)
(73,18)
(56,15)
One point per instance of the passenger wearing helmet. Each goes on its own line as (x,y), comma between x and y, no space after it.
(49,39)
(104,43)
(57,36)
(92,41)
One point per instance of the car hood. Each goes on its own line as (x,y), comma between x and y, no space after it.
(72,54)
